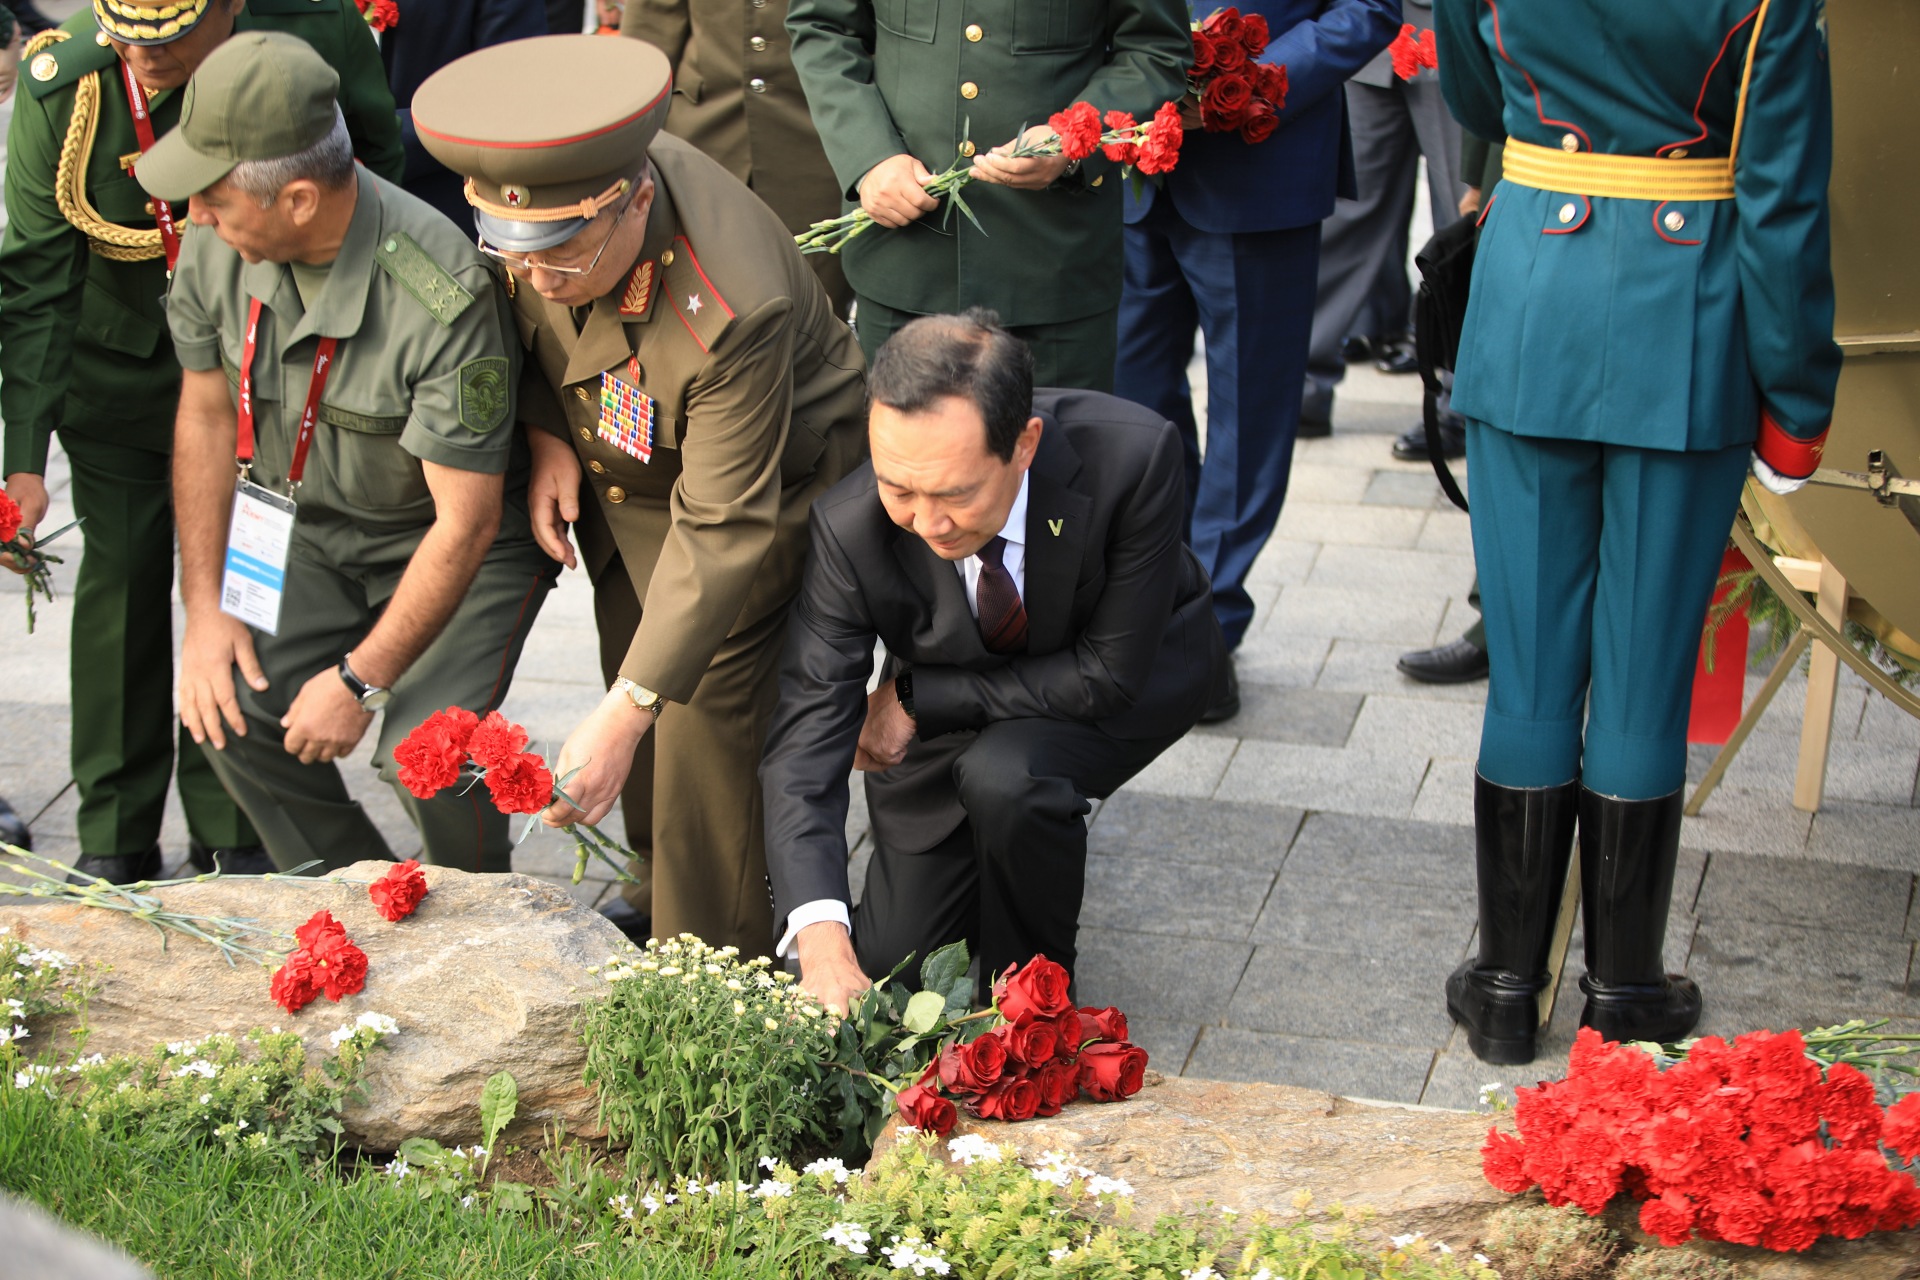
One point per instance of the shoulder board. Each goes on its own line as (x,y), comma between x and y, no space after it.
(290,8)
(403,259)
(685,288)
(57,58)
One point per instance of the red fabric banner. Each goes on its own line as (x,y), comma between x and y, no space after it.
(1719,694)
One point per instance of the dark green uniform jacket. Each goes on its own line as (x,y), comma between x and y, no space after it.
(83,326)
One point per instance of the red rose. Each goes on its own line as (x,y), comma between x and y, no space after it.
(1110,1072)
(1225,25)
(339,966)
(293,986)
(1102,1024)
(1011,1099)
(1203,48)
(1253,34)
(1058,1084)
(1033,1045)
(1225,102)
(520,784)
(1269,82)
(10,518)
(1121,152)
(1259,124)
(398,892)
(1229,56)
(1037,991)
(1160,148)
(972,1068)
(432,754)
(319,925)
(495,741)
(1078,128)
(925,1109)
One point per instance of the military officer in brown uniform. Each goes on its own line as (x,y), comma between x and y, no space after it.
(737,97)
(686,365)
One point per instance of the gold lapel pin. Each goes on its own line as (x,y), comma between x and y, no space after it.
(1054,526)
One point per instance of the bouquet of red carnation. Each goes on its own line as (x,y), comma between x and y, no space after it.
(1412,50)
(1235,90)
(1077,132)
(1036,1054)
(381,15)
(453,743)
(1748,1142)
(28,553)
(325,963)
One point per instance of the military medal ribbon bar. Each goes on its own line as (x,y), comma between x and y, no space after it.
(626,414)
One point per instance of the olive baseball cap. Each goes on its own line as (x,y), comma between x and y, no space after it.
(541,162)
(260,96)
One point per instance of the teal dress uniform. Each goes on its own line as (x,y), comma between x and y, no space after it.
(1645,314)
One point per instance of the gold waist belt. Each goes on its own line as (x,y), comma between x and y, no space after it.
(1592,173)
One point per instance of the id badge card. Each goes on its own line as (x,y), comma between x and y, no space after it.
(255,579)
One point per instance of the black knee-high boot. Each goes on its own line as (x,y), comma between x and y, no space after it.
(1523,841)
(1628,852)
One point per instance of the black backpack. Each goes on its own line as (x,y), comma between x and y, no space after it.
(1439,314)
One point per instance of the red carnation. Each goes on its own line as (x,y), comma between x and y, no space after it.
(1253,34)
(1225,102)
(1110,1072)
(293,986)
(1224,24)
(921,1106)
(1160,148)
(381,15)
(1121,152)
(495,741)
(398,892)
(1058,1084)
(520,784)
(975,1067)
(1037,991)
(1259,123)
(1229,56)
(339,966)
(1503,1160)
(1670,1218)
(1033,1045)
(1203,48)
(10,518)
(1011,1099)
(319,925)
(1853,1117)
(1901,1128)
(1078,128)
(431,756)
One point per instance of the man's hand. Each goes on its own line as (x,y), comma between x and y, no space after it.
(886,734)
(29,493)
(1190,113)
(1028,173)
(325,722)
(553,493)
(1470,202)
(829,971)
(602,748)
(894,192)
(214,644)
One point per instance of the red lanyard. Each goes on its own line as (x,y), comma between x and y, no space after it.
(322,366)
(143,125)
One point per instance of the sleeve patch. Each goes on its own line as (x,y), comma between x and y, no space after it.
(403,259)
(483,393)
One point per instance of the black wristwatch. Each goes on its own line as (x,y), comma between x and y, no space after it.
(903,690)
(370,697)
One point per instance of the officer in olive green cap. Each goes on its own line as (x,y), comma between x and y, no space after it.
(348,346)
(685,362)
(84,351)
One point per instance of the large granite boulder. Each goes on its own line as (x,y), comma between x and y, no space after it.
(487,975)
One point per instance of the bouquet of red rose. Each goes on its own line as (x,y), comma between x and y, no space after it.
(1079,131)
(1748,1142)
(1235,90)
(455,742)
(29,554)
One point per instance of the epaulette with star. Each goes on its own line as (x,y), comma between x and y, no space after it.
(685,287)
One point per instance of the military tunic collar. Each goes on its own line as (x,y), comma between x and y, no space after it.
(341,306)
(603,341)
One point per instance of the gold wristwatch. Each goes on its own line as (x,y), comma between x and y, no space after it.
(640,696)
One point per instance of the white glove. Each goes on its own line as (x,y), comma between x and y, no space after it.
(1772,481)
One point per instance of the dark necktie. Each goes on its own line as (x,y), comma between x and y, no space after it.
(1003,619)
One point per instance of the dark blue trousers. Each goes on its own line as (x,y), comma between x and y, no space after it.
(1251,296)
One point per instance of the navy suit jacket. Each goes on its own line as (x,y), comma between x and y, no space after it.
(1291,179)
(429,35)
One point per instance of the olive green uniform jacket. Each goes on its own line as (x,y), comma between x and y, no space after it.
(929,77)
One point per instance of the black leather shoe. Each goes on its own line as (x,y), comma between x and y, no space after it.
(1227,705)
(116,868)
(1460,662)
(1399,358)
(13,828)
(1628,852)
(249,860)
(636,926)
(1411,446)
(1357,349)
(1523,841)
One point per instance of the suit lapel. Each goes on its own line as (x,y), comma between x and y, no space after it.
(1058,523)
(952,627)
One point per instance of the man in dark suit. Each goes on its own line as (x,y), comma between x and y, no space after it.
(1047,635)
(1231,243)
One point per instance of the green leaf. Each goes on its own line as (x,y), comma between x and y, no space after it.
(499,1100)
(924,1012)
(943,966)
(423,1151)
(512,1197)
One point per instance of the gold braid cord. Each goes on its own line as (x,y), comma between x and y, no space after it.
(108,239)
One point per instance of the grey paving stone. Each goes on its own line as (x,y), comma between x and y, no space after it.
(1457,1076)
(1354,613)
(1401,489)
(1446,729)
(1355,1069)
(1278,659)
(1344,780)
(1395,851)
(1751,822)
(1326,522)
(1882,722)
(1157,977)
(1135,825)
(1364,666)
(1446,794)
(1392,571)
(1335,913)
(1273,713)
(1375,998)
(1190,767)
(1851,899)
(1151,895)
(1873,772)
(1749,961)
(1284,560)
(1326,482)
(1168,1044)
(1876,835)
(1446,529)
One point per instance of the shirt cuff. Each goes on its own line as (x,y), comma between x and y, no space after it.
(1792,456)
(813,913)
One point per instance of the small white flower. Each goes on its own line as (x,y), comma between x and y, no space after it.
(771,1190)
(651,1205)
(18,1008)
(1401,1242)
(398,1167)
(478,1151)
(911,1255)
(620,1205)
(829,1164)
(971,1148)
(18,1032)
(1483,1259)
(23,1079)
(768,1163)
(1061,1252)
(198,1067)
(1098,1185)
(466,1202)
(1442,1247)
(850,1236)
(341,1035)
(1264,1273)
(239,1124)
(1201,1273)
(205,1099)
(378,1023)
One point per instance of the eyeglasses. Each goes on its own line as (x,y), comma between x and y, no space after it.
(525,262)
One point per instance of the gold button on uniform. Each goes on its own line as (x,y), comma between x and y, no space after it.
(616,495)
(594,466)
(102,39)
(974,33)
(966,148)
(757,85)
(758,44)
(586,433)
(44,67)
(1674,221)
(1567,212)
(1678,153)
(969,90)
(583,393)
(666,259)
(1569,142)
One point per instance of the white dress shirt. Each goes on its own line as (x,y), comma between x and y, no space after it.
(1014,559)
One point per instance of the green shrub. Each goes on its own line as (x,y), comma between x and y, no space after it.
(1530,1241)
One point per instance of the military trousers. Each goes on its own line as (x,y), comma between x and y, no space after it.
(1596,564)
(692,802)
(304,811)
(124,730)
(1073,353)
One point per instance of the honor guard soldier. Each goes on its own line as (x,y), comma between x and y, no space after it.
(349,347)
(1652,307)
(685,357)
(84,351)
